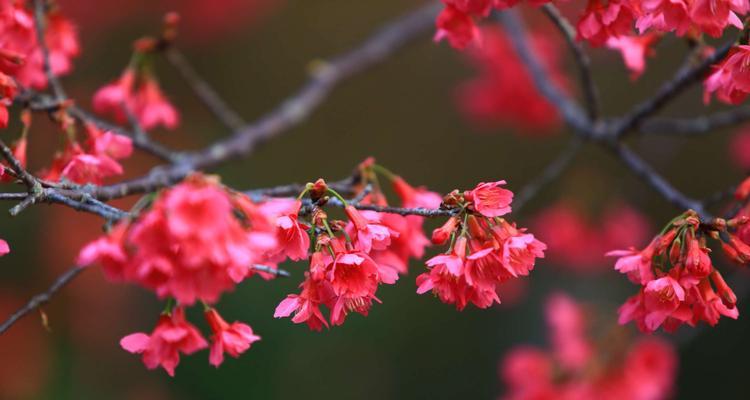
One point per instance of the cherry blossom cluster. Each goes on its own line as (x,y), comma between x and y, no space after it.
(137,91)
(485,250)
(730,79)
(21,57)
(603,21)
(582,366)
(456,23)
(679,283)
(195,242)
(630,27)
(349,259)
(87,159)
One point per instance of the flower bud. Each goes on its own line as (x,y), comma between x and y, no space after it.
(441,235)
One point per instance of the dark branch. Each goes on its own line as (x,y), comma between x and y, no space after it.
(696,126)
(583,62)
(40,12)
(571,112)
(683,79)
(641,168)
(207,95)
(42,298)
(551,172)
(290,113)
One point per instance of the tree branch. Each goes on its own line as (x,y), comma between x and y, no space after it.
(207,95)
(583,62)
(696,126)
(41,298)
(683,79)
(642,169)
(571,112)
(551,172)
(40,11)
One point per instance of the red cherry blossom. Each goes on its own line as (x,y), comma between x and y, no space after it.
(730,79)
(490,200)
(601,22)
(173,335)
(234,338)
(634,50)
(292,236)
(457,27)
(190,245)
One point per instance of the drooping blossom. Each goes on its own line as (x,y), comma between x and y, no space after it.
(173,335)
(504,92)
(292,237)
(582,366)
(21,57)
(679,284)
(664,16)
(485,251)
(490,200)
(112,98)
(369,233)
(18,37)
(684,17)
(407,238)
(457,27)
(153,108)
(350,259)
(342,278)
(634,50)
(601,22)
(712,16)
(458,20)
(306,305)
(730,79)
(189,245)
(93,161)
(233,339)
(140,94)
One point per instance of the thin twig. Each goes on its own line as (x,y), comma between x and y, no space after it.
(571,112)
(551,172)
(41,298)
(696,126)
(683,79)
(207,95)
(290,113)
(583,62)
(269,270)
(642,169)
(40,11)
(43,102)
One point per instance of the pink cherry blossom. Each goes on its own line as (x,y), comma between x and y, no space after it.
(490,199)
(173,335)
(234,338)
(457,27)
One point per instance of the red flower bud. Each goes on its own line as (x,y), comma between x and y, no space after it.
(441,235)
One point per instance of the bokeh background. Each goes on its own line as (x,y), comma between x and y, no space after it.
(402,112)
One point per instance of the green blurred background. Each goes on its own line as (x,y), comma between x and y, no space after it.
(401,112)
